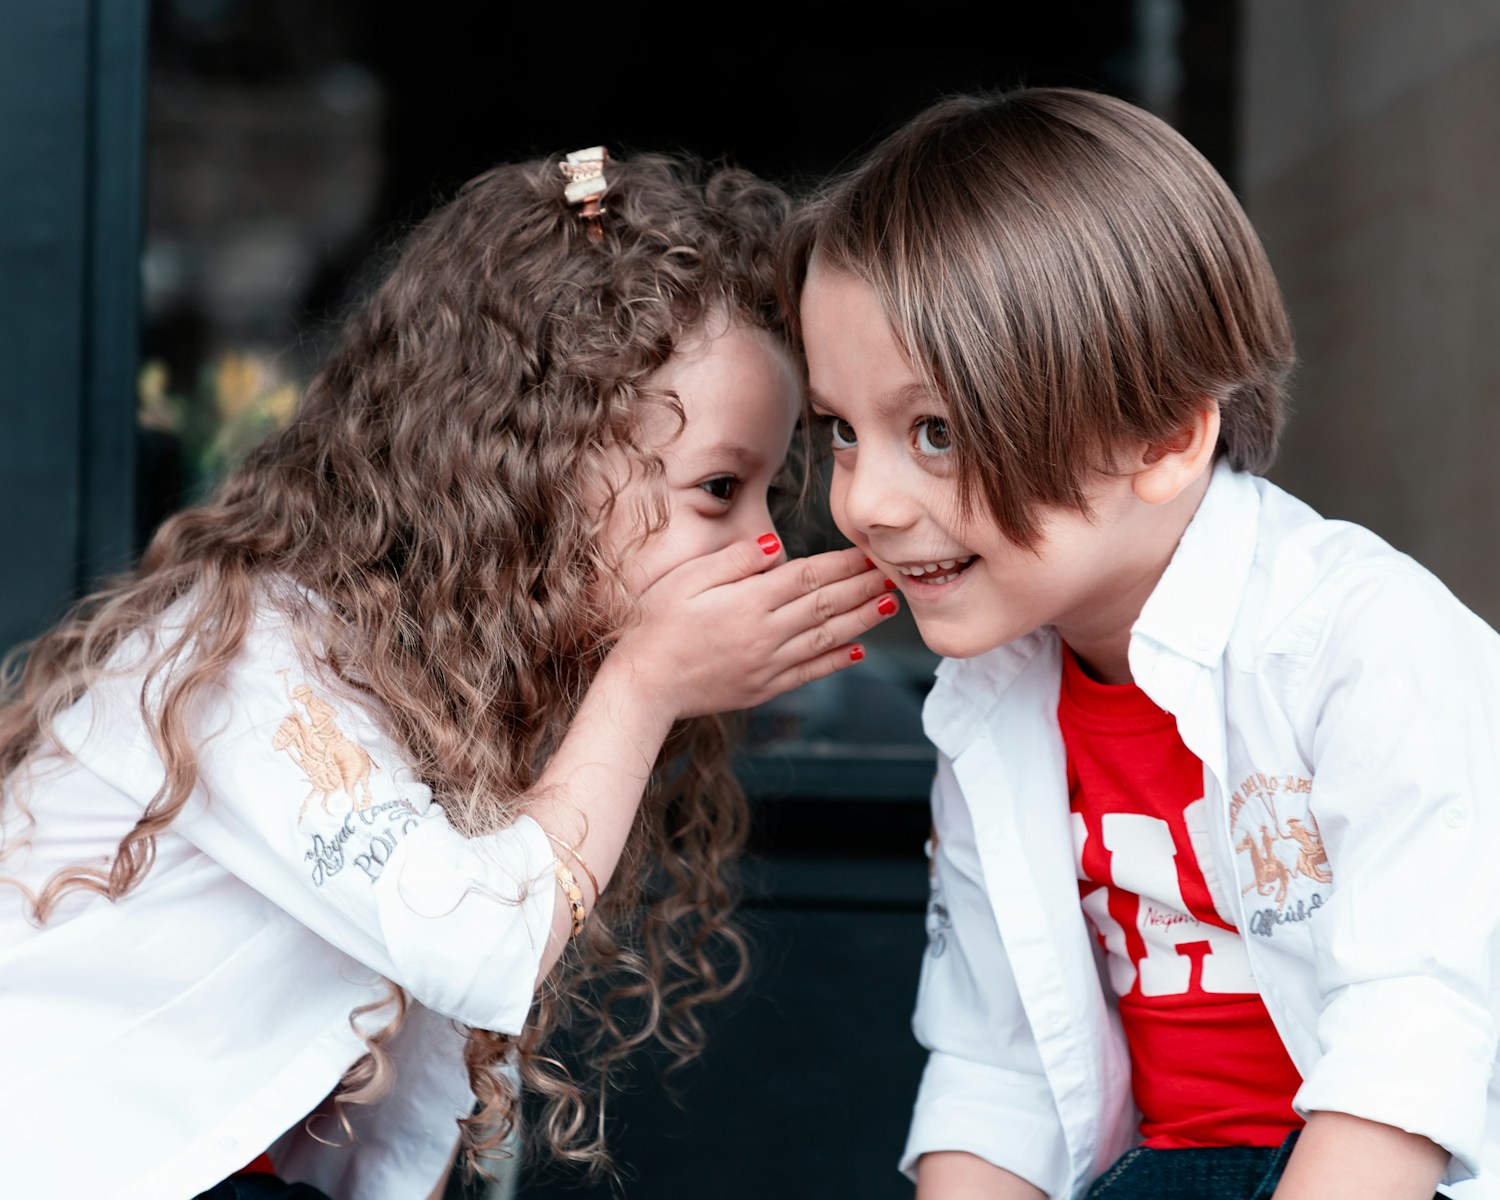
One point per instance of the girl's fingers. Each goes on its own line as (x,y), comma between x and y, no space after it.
(829,662)
(835,599)
(838,631)
(802,578)
(772,584)
(732,564)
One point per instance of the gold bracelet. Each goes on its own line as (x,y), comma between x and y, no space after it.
(574,893)
(559,844)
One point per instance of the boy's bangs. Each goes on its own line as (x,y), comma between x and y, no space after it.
(1073,279)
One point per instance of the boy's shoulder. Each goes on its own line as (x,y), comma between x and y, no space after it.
(1319,586)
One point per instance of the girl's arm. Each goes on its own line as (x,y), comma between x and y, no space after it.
(955,1175)
(1339,1157)
(716,634)
(303,796)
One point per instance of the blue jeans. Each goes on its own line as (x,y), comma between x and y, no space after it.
(1206,1173)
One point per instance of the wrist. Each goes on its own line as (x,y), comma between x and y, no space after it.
(634,684)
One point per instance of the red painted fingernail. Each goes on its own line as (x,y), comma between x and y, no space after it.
(856,653)
(890,585)
(886,606)
(769,542)
(869,562)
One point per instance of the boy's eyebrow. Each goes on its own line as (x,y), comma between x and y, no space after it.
(892,404)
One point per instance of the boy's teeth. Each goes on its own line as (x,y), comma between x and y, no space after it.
(933,568)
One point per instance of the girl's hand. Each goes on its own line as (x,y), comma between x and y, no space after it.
(726,631)
(732,629)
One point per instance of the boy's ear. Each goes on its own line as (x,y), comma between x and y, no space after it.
(1168,468)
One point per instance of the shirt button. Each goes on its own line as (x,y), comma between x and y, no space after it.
(1456,814)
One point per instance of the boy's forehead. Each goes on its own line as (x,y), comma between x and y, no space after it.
(851,343)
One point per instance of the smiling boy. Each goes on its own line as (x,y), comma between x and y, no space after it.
(1214,815)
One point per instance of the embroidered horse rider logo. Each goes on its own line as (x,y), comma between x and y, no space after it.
(1312,859)
(1271,873)
(331,762)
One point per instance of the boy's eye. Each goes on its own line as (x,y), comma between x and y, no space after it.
(933,436)
(721,487)
(841,433)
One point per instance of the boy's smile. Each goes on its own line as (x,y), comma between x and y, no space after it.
(895,495)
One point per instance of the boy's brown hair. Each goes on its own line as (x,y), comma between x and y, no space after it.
(1071,276)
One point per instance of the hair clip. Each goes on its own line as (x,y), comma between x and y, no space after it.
(584,171)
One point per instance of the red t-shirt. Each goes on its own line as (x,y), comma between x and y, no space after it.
(1207,1066)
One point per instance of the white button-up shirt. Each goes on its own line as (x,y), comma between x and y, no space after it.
(1343,703)
(154,1045)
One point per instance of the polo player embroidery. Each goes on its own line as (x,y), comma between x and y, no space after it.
(331,762)
(1312,859)
(1271,873)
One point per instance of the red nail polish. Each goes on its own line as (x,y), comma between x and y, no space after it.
(869,562)
(886,606)
(890,585)
(769,542)
(856,653)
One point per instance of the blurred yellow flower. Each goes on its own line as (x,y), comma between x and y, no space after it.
(237,404)
(154,407)
(281,404)
(238,381)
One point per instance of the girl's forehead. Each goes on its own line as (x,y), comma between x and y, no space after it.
(738,390)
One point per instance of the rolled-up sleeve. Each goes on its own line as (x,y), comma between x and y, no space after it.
(466,920)
(983,1090)
(1401,699)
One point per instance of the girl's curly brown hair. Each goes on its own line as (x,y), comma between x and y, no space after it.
(439,492)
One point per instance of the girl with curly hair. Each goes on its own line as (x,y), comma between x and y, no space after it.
(406,748)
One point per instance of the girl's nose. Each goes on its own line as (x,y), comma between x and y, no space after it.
(752,520)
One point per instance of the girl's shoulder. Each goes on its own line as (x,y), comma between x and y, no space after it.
(276,655)
(275,685)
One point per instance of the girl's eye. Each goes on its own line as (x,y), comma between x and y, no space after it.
(841,433)
(721,487)
(933,436)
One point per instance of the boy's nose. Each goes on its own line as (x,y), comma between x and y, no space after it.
(871,497)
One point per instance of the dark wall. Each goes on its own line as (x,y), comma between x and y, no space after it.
(72,78)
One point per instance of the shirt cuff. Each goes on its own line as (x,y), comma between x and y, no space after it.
(1408,1053)
(467,919)
(1006,1118)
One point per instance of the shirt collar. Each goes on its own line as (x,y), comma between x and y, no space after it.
(1194,605)
(1190,612)
(967,688)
